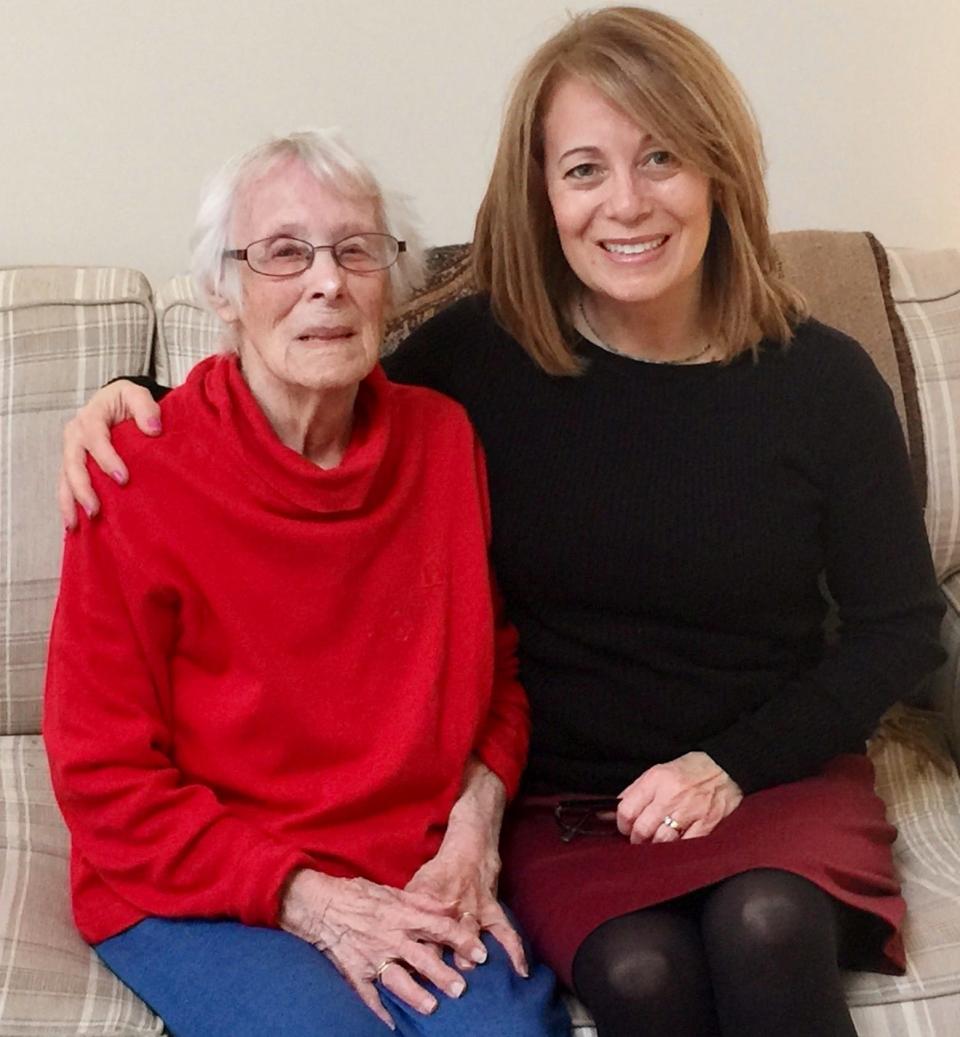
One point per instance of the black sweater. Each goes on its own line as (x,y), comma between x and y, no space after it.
(660,534)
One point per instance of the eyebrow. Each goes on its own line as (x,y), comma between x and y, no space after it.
(299,231)
(592,149)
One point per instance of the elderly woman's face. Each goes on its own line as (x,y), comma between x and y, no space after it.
(633,221)
(320,329)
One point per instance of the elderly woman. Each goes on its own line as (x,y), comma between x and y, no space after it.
(678,455)
(281,719)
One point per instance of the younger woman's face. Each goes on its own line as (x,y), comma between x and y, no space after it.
(633,220)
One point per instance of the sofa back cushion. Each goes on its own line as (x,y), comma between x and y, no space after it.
(64,331)
(186,331)
(925,288)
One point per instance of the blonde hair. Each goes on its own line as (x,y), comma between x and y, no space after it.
(668,79)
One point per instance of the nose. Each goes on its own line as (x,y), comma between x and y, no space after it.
(325,277)
(630,197)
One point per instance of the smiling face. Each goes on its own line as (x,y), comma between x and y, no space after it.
(632,219)
(321,329)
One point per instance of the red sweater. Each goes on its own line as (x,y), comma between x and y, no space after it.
(257,665)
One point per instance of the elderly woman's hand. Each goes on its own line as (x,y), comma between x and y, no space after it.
(361,925)
(692,792)
(88,432)
(463,874)
(465,884)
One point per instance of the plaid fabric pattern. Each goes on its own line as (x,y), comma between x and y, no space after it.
(926,291)
(51,983)
(63,333)
(186,331)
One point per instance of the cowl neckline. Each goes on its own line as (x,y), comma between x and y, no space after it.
(286,475)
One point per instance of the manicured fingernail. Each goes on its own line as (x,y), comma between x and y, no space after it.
(429,1005)
(154,425)
(479,954)
(456,989)
(118,477)
(90,512)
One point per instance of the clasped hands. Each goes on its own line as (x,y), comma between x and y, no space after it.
(373,932)
(691,791)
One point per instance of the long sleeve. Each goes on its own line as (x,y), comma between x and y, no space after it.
(879,571)
(166,846)
(504,737)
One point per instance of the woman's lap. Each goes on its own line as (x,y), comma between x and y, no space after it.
(225,979)
(843,847)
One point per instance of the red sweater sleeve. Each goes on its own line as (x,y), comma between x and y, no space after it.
(165,845)
(503,739)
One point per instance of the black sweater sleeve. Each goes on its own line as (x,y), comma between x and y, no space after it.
(157,391)
(879,571)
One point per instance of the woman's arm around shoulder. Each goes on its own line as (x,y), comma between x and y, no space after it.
(88,432)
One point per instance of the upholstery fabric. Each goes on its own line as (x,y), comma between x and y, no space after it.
(63,332)
(186,331)
(925,287)
(944,691)
(51,983)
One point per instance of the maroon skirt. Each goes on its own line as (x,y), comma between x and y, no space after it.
(830,829)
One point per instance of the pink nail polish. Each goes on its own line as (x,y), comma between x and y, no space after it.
(118,477)
(154,425)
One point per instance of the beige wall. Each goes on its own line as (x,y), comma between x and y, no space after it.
(113,111)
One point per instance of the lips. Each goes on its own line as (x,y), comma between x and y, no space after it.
(634,247)
(325,333)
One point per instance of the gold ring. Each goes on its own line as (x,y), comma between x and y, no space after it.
(383,966)
(672,822)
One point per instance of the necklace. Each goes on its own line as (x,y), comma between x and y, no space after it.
(641,359)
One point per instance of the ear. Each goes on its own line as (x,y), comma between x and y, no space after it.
(226,310)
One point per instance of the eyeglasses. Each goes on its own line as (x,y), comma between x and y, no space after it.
(597,816)
(287,257)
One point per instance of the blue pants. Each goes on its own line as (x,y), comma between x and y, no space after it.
(225,979)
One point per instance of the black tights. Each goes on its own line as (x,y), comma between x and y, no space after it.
(754,956)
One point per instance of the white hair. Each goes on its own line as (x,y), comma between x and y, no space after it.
(332,162)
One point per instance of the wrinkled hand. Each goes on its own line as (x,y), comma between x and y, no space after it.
(359,925)
(692,790)
(88,431)
(466,885)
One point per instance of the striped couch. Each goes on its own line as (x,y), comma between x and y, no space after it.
(65,331)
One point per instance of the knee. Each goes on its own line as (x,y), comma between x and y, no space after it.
(644,976)
(769,918)
(645,972)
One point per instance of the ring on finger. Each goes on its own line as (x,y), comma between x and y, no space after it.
(671,822)
(383,966)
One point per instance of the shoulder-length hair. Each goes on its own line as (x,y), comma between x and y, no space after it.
(669,80)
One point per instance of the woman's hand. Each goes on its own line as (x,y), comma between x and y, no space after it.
(88,432)
(465,883)
(360,925)
(463,874)
(692,790)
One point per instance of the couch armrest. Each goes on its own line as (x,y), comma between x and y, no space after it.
(944,693)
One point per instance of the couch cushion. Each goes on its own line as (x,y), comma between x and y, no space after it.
(51,983)
(64,331)
(926,291)
(186,331)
